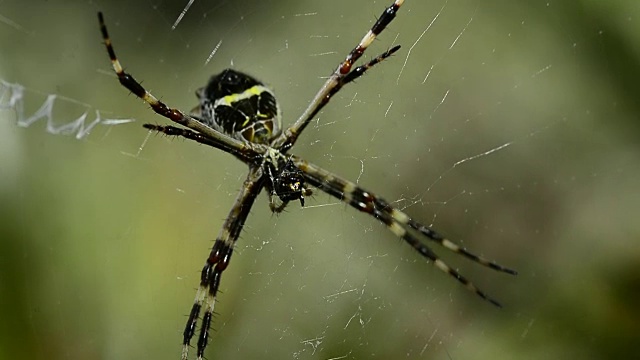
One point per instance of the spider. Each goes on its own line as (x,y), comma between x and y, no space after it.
(239,115)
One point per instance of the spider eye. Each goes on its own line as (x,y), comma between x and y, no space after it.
(230,77)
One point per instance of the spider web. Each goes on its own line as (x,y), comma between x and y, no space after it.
(509,126)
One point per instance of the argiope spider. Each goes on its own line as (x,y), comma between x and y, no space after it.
(239,115)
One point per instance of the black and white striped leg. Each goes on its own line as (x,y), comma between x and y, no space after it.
(246,154)
(343,74)
(397,221)
(217,262)
(158,106)
(360,70)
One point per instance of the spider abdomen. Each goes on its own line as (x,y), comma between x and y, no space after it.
(240,106)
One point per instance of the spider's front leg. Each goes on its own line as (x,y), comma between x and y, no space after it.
(344,74)
(218,261)
(214,137)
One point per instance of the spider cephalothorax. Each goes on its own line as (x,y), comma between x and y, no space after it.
(285,180)
(240,116)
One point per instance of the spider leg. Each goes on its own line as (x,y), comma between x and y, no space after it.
(341,76)
(435,236)
(276,209)
(218,261)
(159,107)
(247,155)
(360,70)
(395,220)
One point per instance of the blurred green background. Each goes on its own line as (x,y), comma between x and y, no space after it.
(102,238)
